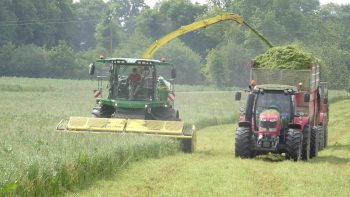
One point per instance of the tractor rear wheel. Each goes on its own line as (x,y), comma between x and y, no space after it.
(294,139)
(306,143)
(314,143)
(244,143)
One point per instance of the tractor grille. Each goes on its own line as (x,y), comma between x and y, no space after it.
(267,126)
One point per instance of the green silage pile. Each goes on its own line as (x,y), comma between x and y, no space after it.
(285,57)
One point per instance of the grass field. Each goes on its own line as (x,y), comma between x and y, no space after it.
(36,160)
(214,171)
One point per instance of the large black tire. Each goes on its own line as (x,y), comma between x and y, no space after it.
(314,143)
(325,137)
(320,131)
(305,155)
(189,145)
(294,139)
(103,111)
(164,114)
(244,143)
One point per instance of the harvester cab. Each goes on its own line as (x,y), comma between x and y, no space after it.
(138,101)
(136,91)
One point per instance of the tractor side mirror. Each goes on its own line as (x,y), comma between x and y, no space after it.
(91,69)
(173,73)
(238,96)
(306,98)
(325,101)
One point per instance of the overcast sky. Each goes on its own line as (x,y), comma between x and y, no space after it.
(152,2)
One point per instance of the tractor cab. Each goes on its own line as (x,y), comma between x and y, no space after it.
(273,109)
(270,109)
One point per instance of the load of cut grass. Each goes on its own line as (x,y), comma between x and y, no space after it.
(285,57)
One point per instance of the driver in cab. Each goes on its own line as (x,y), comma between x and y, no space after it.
(134,80)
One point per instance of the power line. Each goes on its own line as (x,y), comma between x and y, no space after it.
(46,22)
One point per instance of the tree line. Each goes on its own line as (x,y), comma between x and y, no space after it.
(59,38)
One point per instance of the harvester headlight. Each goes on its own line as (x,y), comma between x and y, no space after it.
(146,106)
(273,120)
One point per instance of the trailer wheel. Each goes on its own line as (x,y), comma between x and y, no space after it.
(325,136)
(189,144)
(320,130)
(244,143)
(306,143)
(294,144)
(314,143)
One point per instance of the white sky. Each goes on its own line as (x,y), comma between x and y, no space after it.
(152,2)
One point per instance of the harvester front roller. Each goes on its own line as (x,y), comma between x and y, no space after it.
(171,129)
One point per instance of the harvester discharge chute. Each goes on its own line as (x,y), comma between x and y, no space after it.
(139,101)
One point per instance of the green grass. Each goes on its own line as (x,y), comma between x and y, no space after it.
(214,171)
(36,160)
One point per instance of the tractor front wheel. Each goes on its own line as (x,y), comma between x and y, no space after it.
(294,139)
(244,143)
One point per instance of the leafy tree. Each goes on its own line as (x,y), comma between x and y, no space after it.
(8,20)
(134,46)
(186,62)
(227,65)
(62,60)
(30,61)
(26,14)
(88,13)
(6,54)
(109,34)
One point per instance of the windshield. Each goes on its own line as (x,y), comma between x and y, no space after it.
(135,82)
(273,100)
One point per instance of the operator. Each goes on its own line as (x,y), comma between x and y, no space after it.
(134,80)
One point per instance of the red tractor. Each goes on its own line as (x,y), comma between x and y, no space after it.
(286,112)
